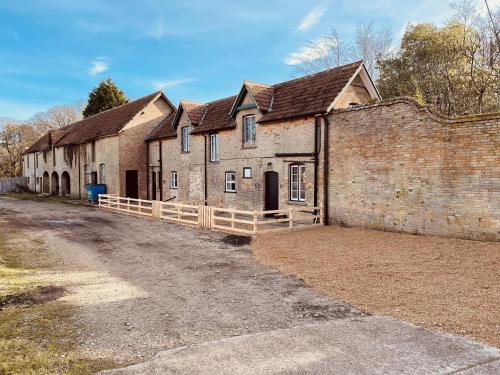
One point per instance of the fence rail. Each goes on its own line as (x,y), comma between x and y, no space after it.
(223,219)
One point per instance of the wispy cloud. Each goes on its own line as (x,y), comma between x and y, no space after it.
(97,66)
(313,51)
(312,18)
(169,83)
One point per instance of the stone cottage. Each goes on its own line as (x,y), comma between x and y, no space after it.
(105,148)
(258,150)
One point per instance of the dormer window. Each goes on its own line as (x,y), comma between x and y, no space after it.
(185,139)
(249,130)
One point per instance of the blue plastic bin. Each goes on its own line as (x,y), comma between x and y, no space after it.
(93,191)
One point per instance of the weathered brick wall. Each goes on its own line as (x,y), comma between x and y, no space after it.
(395,166)
(133,149)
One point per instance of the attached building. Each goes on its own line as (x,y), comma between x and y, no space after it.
(105,148)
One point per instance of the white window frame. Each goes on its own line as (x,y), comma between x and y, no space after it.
(185,139)
(249,130)
(173,180)
(230,182)
(297,183)
(247,172)
(214,147)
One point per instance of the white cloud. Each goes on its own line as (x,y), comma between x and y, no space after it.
(97,66)
(313,51)
(169,83)
(312,18)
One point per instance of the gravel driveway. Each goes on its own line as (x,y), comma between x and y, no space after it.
(142,286)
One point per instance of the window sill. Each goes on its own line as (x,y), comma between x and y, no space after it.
(214,161)
(248,146)
(297,203)
(173,188)
(229,192)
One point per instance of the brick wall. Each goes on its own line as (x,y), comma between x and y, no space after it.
(398,167)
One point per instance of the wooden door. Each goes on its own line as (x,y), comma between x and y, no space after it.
(131,184)
(271,199)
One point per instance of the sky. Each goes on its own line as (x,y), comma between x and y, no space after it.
(53,52)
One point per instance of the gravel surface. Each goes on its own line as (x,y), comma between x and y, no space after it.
(141,286)
(444,284)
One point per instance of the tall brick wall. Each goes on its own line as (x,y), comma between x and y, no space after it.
(398,167)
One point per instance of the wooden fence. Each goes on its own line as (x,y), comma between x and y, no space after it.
(223,219)
(13,184)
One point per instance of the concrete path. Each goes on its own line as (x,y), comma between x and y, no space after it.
(365,345)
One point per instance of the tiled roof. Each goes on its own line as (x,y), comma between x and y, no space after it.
(217,116)
(309,95)
(194,111)
(304,96)
(164,129)
(105,123)
(43,144)
(263,94)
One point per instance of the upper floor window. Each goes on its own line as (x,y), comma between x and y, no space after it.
(45,156)
(230,182)
(214,147)
(36,160)
(27,161)
(298,182)
(54,156)
(92,150)
(249,130)
(185,139)
(173,180)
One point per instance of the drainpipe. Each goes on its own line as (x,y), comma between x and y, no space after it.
(161,171)
(317,136)
(326,169)
(206,168)
(147,171)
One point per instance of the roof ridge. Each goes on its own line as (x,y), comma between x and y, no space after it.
(359,62)
(257,83)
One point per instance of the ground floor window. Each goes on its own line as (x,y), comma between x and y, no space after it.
(214,147)
(297,182)
(230,182)
(93,178)
(102,176)
(247,172)
(173,180)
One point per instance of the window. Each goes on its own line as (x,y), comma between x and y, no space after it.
(230,182)
(186,142)
(249,130)
(27,161)
(45,156)
(36,160)
(297,182)
(102,176)
(214,147)
(173,180)
(85,174)
(92,150)
(54,156)
(93,178)
(247,172)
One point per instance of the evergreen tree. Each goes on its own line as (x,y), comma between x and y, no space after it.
(105,96)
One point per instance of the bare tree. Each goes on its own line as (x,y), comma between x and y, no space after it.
(324,53)
(14,139)
(372,45)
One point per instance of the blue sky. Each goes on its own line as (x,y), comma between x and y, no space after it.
(54,52)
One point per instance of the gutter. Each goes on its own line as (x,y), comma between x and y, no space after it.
(326,169)
(317,136)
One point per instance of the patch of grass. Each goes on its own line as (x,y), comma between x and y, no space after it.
(36,338)
(41,340)
(42,198)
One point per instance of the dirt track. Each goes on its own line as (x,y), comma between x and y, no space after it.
(142,286)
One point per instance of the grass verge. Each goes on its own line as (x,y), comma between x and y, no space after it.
(39,338)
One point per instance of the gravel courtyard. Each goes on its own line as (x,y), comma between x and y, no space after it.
(439,283)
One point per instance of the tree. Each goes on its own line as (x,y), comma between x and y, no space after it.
(331,51)
(14,139)
(56,117)
(455,68)
(105,96)
(372,45)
